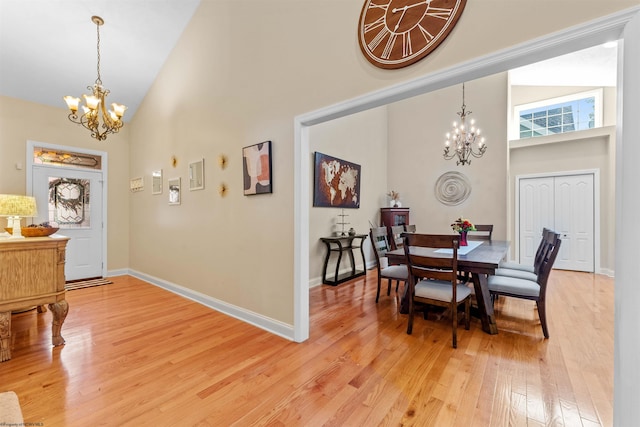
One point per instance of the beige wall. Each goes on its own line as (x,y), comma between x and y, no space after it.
(21,121)
(362,139)
(417,129)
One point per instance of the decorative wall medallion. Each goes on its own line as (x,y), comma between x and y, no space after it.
(452,188)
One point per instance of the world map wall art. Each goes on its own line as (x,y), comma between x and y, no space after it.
(336,183)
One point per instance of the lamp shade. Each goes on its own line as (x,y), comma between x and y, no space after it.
(17,205)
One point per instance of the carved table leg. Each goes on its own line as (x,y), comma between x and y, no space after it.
(5,336)
(59,311)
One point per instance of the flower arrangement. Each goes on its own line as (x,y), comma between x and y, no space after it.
(462,224)
(395,196)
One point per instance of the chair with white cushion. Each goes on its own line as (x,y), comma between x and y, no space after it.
(433,279)
(390,272)
(534,290)
(527,271)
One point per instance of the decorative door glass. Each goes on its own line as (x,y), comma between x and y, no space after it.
(69,202)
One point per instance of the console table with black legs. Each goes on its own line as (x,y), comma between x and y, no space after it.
(342,244)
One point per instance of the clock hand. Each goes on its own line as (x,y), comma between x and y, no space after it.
(404,10)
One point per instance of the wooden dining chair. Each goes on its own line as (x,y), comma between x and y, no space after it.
(433,280)
(535,290)
(396,236)
(410,228)
(482,232)
(398,273)
(528,271)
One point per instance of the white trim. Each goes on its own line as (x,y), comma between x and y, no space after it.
(571,39)
(273,326)
(103,171)
(596,207)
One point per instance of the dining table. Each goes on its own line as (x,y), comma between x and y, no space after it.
(480,259)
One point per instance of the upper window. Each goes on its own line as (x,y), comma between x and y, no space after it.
(579,111)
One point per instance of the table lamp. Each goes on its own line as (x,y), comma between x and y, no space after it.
(14,207)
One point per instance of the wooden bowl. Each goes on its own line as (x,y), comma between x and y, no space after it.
(35,231)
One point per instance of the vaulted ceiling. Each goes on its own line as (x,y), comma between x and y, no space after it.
(48,47)
(48,50)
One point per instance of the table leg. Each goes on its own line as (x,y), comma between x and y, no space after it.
(352,259)
(59,311)
(326,262)
(335,278)
(5,336)
(485,306)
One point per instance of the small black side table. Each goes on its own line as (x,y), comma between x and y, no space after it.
(341,244)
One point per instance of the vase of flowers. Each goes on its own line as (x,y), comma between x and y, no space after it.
(395,199)
(462,226)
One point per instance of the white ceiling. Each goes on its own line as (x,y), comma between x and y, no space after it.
(595,66)
(48,47)
(48,50)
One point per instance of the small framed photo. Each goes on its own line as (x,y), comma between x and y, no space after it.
(174,191)
(156,182)
(256,167)
(136,184)
(196,175)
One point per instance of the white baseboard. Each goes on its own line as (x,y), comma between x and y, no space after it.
(270,325)
(607,272)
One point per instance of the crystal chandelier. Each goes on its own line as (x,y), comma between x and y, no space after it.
(466,141)
(95,108)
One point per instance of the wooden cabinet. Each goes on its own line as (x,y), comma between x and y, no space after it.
(32,274)
(394,216)
(390,217)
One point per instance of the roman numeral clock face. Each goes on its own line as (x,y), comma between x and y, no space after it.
(397,33)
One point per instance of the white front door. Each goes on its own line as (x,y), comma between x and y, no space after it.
(72,198)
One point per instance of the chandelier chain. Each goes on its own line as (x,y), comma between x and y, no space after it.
(98,80)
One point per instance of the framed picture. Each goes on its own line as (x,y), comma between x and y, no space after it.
(174,191)
(196,175)
(256,168)
(156,182)
(336,183)
(136,184)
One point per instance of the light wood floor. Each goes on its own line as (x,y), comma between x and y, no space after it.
(138,355)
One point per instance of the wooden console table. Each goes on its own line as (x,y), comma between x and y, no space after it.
(32,274)
(339,247)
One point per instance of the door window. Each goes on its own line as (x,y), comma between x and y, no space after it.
(69,202)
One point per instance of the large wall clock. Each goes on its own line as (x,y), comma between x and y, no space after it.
(397,33)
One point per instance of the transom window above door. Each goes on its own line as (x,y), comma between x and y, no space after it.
(47,156)
(579,111)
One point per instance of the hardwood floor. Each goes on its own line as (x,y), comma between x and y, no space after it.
(138,355)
